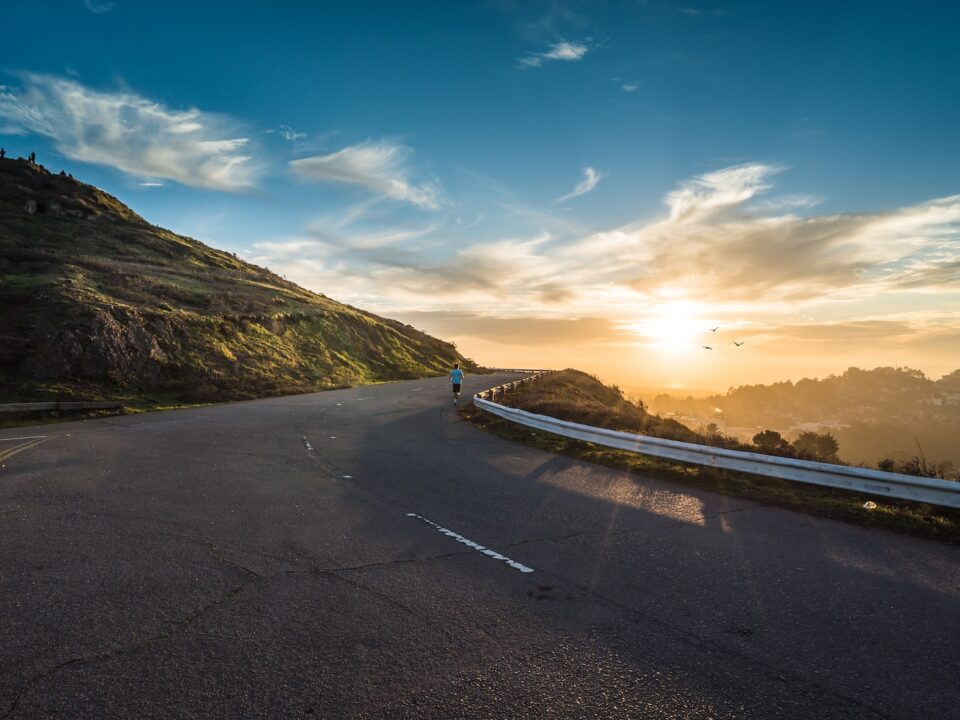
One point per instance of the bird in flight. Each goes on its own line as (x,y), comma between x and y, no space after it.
(715,329)
(738,344)
(707,347)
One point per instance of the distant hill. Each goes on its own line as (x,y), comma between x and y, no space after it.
(576,396)
(884,412)
(97,302)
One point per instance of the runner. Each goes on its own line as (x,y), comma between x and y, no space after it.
(456,380)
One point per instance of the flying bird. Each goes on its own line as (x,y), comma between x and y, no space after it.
(738,344)
(707,347)
(715,329)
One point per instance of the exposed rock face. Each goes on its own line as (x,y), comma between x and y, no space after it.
(106,346)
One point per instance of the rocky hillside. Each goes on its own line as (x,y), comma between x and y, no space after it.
(97,302)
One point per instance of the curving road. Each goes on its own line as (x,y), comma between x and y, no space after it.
(365,553)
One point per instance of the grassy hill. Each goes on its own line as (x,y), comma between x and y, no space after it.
(99,303)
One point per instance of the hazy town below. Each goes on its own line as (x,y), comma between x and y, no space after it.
(882,413)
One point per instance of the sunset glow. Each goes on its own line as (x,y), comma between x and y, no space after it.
(675,327)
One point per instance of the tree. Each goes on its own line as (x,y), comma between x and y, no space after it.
(816,446)
(768,440)
(772,443)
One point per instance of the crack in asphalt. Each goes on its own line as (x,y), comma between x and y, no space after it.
(253,577)
(164,634)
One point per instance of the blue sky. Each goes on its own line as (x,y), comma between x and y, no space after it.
(595,175)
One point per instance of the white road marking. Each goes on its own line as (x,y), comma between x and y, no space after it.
(25,437)
(476,546)
(348,477)
(333,437)
(306,444)
(416,390)
(368,397)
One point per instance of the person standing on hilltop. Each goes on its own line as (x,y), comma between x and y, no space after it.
(3,153)
(456,381)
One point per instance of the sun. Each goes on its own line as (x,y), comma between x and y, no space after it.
(676,326)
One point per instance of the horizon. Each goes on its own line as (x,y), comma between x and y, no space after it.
(545,184)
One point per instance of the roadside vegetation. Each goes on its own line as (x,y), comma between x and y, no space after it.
(577,397)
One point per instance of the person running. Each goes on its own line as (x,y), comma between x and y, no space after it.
(456,380)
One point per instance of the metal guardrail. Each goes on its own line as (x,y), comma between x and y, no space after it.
(38,407)
(875,482)
(506,387)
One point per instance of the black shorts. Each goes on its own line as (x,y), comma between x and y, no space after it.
(456,387)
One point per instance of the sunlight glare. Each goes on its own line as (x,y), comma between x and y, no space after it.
(676,326)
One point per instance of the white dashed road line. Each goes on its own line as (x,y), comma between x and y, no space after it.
(26,437)
(306,444)
(476,546)
(368,397)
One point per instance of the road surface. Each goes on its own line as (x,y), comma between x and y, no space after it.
(366,553)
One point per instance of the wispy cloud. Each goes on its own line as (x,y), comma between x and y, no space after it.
(380,167)
(709,193)
(98,8)
(569,51)
(715,248)
(287,133)
(630,87)
(590,179)
(131,133)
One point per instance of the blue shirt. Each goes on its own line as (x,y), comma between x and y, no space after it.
(456,376)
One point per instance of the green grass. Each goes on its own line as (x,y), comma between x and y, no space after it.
(577,397)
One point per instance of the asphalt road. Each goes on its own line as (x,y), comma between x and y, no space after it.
(323,556)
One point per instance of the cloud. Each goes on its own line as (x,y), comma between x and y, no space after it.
(558,51)
(131,133)
(590,179)
(630,87)
(713,192)
(98,8)
(287,133)
(380,167)
(534,331)
(715,248)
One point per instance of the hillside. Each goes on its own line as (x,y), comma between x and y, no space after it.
(99,303)
(575,396)
(884,412)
